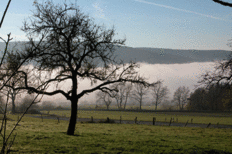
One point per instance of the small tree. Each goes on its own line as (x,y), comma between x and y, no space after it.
(122,94)
(104,98)
(180,97)
(9,68)
(139,93)
(159,93)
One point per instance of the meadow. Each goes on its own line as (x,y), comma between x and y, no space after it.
(49,136)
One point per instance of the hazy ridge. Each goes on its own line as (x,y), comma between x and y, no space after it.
(160,55)
(170,56)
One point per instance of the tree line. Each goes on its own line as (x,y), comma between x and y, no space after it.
(156,96)
(216,97)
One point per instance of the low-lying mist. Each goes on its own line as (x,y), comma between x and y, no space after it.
(172,75)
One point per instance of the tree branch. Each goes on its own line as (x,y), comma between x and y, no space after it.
(223,3)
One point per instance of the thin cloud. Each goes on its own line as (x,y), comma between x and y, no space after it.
(181,10)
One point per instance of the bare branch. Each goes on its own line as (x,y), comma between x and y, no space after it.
(223,3)
(4,13)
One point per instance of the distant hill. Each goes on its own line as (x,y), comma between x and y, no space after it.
(170,56)
(162,56)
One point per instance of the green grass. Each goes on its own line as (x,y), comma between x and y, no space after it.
(34,136)
(205,118)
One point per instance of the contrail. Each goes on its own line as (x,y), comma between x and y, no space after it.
(182,10)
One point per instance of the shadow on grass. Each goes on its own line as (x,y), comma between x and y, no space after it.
(209,152)
(65,133)
(101,121)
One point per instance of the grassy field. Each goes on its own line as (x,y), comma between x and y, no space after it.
(213,118)
(34,136)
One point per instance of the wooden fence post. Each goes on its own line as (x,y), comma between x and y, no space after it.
(170,122)
(191,120)
(154,119)
(186,123)
(91,118)
(58,119)
(108,120)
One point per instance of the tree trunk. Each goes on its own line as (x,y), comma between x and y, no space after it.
(156,103)
(73,118)
(13,103)
(13,107)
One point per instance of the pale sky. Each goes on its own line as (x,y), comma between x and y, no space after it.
(177,24)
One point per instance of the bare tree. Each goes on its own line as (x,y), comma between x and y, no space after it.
(14,81)
(159,93)
(12,62)
(223,69)
(221,74)
(180,97)
(5,77)
(139,93)
(104,98)
(122,94)
(69,44)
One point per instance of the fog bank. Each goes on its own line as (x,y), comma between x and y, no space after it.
(173,75)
